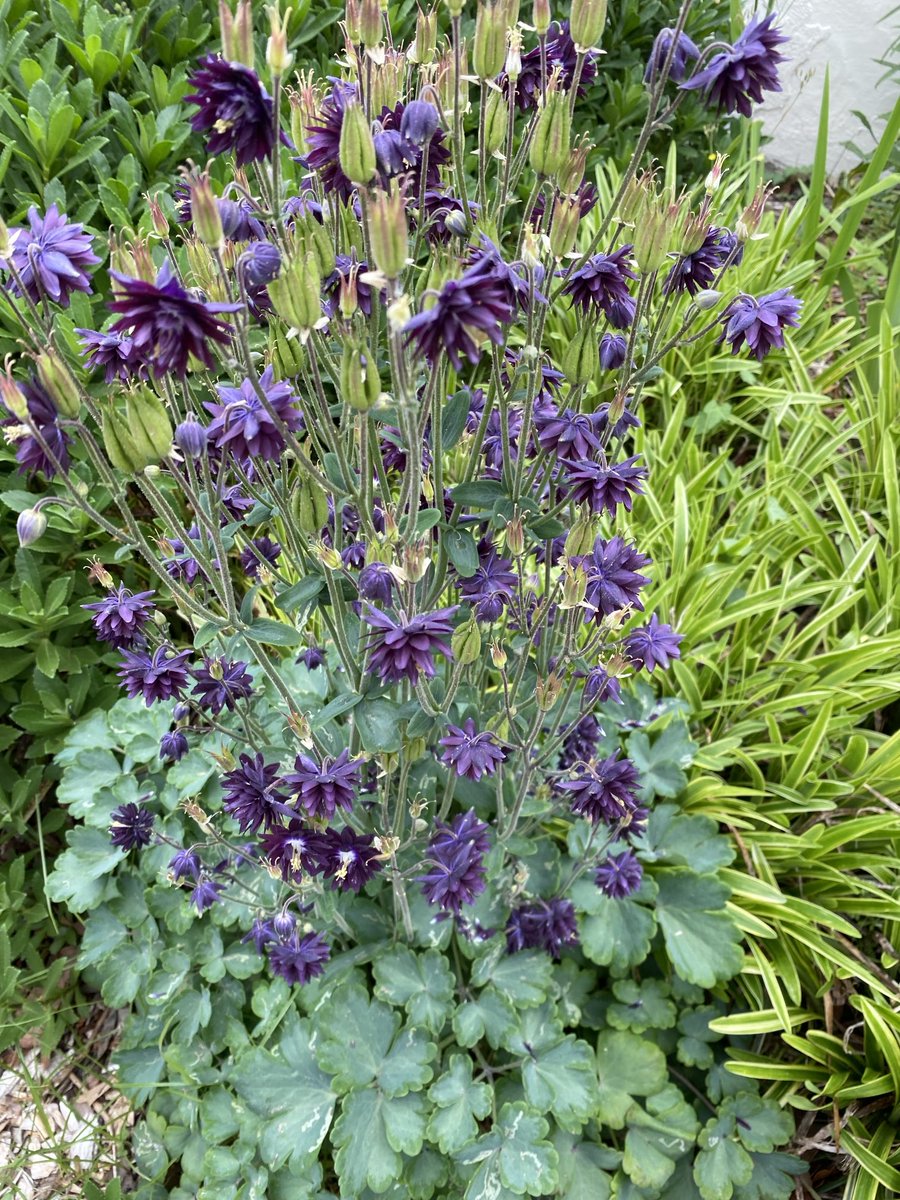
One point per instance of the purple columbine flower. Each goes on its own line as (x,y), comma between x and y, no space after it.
(394,154)
(293,848)
(695,272)
(604,487)
(561,56)
(470,753)
(548,925)
(167,323)
(185,864)
(495,437)
(190,437)
(260,933)
(348,858)
(322,788)
(182,564)
(312,658)
(601,285)
(204,894)
(119,618)
(405,648)
(173,745)
(131,827)
(600,686)
(241,424)
(619,876)
(581,741)
(614,578)
(759,324)
(30,454)
(220,684)
(477,301)
(627,420)
(568,434)
(613,351)
(491,588)
(251,794)
(438,154)
(354,555)
(235,107)
(161,675)
(734,78)
(456,853)
(605,790)
(259,263)
(240,222)
(420,121)
(653,645)
(376,582)
(299,959)
(50,257)
(261,550)
(114,352)
(684,51)
(513,275)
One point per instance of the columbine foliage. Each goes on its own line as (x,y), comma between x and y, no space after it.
(397,599)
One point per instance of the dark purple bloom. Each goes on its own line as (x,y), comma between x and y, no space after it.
(50,257)
(404,648)
(653,645)
(204,894)
(601,285)
(438,155)
(568,434)
(167,323)
(322,788)
(734,78)
(114,352)
(600,686)
(220,684)
(604,487)
(131,827)
(581,741)
(160,676)
(259,263)
(393,451)
(312,658)
(561,56)
(479,301)
(491,588)
(470,753)
(605,790)
(235,106)
(30,454)
(293,848)
(239,220)
(613,351)
(696,272)
(348,858)
(393,152)
(456,863)
(182,564)
(759,324)
(614,579)
(376,582)
(119,618)
(241,424)
(260,933)
(190,437)
(185,864)
(299,959)
(495,437)
(542,925)
(513,275)
(354,555)
(297,207)
(261,550)
(419,122)
(173,745)
(619,876)
(251,794)
(662,46)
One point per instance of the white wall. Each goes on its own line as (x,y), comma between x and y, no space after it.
(847,35)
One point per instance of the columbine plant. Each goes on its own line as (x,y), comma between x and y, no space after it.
(395,579)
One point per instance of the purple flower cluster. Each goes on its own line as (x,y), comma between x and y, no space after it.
(471,754)
(405,648)
(548,925)
(735,79)
(605,791)
(120,617)
(50,257)
(248,421)
(320,788)
(456,853)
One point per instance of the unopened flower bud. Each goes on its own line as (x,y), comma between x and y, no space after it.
(513,68)
(547,691)
(498,656)
(496,123)
(237,32)
(586,21)
(466,642)
(564,229)
(158,218)
(552,135)
(416,561)
(149,428)
(581,359)
(714,178)
(369,23)
(515,537)
(352,18)
(12,396)
(420,122)
(749,221)
(653,233)
(205,214)
(278,58)
(190,437)
(489,43)
(707,299)
(580,538)
(387,232)
(424,46)
(571,177)
(7,240)
(455,7)
(58,383)
(328,556)
(540,17)
(30,525)
(357,146)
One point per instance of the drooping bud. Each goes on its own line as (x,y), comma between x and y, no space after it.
(387,232)
(552,134)
(581,359)
(424,46)
(564,230)
(498,656)
(586,21)
(357,146)
(496,123)
(571,177)
(714,178)
(419,122)
(466,642)
(369,23)
(58,383)
(295,294)
(149,427)
(190,437)
(205,215)
(158,218)
(30,525)
(515,537)
(360,382)
(278,58)
(540,17)
(749,221)
(489,43)
(707,299)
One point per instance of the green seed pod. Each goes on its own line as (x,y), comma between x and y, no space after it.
(388,232)
(58,383)
(551,143)
(586,21)
(286,355)
(149,426)
(496,122)
(581,360)
(316,241)
(118,443)
(357,147)
(295,293)
(581,537)
(564,230)
(489,44)
(360,383)
(466,642)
